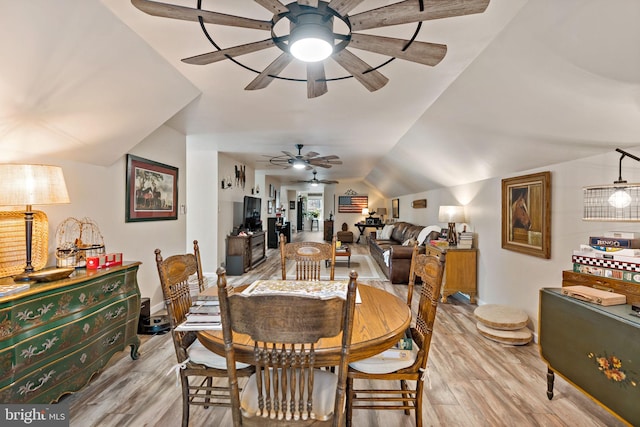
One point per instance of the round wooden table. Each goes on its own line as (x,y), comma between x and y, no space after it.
(380,321)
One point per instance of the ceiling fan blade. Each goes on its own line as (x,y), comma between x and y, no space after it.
(373,80)
(219,55)
(329,157)
(311,154)
(268,74)
(312,3)
(327,181)
(274,6)
(344,6)
(165,10)
(316,80)
(408,11)
(293,156)
(420,52)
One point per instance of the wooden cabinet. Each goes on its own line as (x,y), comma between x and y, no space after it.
(631,290)
(328,230)
(460,271)
(595,348)
(250,250)
(55,336)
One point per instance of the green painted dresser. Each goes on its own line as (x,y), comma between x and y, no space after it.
(56,335)
(595,348)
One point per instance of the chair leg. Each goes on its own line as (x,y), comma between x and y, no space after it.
(419,391)
(207,399)
(403,386)
(349,403)
(185,400)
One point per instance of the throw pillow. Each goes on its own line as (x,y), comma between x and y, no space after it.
(425,233)
(410,242)
(386,232)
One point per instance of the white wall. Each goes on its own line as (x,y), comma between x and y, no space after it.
(512,278)
(99,193)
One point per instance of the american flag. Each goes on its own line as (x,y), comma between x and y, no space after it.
(352,204)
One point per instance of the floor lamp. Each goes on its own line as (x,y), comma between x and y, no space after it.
(451,215)
(28,185)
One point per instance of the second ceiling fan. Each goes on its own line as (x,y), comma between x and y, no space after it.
(315,181)
(305,161)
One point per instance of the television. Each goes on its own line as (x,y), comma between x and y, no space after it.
(252,206)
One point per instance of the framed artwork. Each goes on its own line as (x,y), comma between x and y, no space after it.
(270,206)
(152,190)
(292,205)
(395,208)
(526,214)
(352,204)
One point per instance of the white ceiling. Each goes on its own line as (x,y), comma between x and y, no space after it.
(523,85)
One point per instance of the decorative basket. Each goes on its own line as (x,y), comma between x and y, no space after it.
(76,240)
(13,244)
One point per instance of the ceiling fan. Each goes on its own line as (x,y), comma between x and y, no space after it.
(315,181)
(320,29)
(306,161)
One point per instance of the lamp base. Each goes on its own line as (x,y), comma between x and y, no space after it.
(452,235)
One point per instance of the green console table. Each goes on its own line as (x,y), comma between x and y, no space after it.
(56,335)
(595,348)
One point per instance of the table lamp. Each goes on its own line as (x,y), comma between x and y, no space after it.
(451,215)
(382,212)
(27,185)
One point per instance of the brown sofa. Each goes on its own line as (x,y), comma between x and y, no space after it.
(397,270)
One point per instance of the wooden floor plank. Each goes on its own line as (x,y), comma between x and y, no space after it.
(471,381)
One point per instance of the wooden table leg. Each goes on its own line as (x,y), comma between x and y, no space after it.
(550,378)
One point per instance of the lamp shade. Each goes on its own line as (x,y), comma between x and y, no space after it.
(451,214)
(22,185)
(365,211)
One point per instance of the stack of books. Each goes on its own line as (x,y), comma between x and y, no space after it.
(615,255)
(466,240)
(400,351)
(204,314)
(13,288)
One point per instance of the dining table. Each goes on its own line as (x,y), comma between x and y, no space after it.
(380,320)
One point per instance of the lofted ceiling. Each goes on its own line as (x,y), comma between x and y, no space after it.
(523,85)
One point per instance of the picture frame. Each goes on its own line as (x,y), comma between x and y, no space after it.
(151,190)
(526,214)
(395,208)
(292,205)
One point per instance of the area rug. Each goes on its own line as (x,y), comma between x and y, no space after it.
(364,265)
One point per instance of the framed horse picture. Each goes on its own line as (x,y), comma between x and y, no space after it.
(152,190)
(526,214)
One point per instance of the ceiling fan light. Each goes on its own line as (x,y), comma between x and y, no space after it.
(311,39)
(314,184)
(298,164)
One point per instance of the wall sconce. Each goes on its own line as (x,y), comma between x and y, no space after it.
(27,185)
(226,183)
(451,215)
(619,201)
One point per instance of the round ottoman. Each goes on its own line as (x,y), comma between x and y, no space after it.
(503,324)
(501,317)
(514,337)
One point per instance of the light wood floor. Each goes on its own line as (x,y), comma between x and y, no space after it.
(471,381)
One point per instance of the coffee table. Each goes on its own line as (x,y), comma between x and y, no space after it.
(343,251)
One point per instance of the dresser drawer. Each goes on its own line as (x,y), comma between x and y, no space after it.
(69,373)
(52,344)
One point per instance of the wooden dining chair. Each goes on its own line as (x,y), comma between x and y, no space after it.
(287,388)
(399,371)
(308,258)
(197,366)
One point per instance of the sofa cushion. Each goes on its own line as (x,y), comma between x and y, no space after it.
(424,235)
(386,232)
(410,242)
